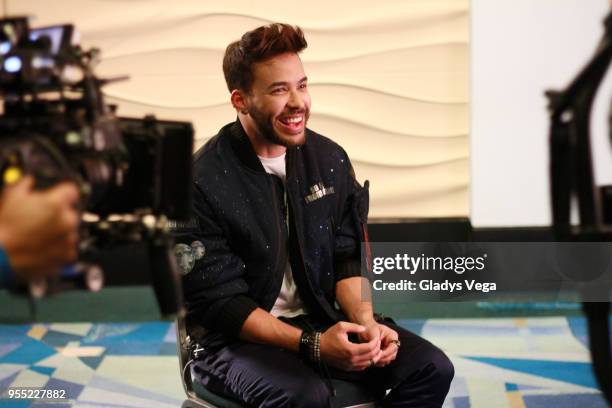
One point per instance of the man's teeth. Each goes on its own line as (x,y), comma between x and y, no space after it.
(293,120)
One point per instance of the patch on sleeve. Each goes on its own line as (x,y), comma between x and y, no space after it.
(187,255)
(184,258)
(198,249)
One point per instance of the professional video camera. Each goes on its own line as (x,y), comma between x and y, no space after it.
(133,173)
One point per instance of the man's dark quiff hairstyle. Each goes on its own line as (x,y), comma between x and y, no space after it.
(256,46)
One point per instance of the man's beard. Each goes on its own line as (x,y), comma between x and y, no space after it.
(267,131)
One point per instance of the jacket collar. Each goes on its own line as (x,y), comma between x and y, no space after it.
(243,149)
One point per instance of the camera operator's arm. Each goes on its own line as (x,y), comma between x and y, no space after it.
(38,229)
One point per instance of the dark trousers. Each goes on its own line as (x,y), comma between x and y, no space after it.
(266,376)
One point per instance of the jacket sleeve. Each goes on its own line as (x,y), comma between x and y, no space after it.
(351,229)
(216,293)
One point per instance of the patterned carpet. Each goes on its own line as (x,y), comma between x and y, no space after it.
(514,363)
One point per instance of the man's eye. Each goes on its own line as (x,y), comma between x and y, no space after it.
(303,86)
(278,90)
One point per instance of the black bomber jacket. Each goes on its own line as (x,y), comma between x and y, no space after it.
(233,250)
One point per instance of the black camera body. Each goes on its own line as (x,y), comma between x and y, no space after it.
(58,128)
(134,174)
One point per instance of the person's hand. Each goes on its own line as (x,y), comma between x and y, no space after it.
(372,333)
(339,352)
(39,229)
(389,345)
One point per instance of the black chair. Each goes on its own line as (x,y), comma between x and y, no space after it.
(348,395)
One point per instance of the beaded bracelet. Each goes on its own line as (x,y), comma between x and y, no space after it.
(317,348)
(310,346)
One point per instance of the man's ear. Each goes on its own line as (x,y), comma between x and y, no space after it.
(239,101)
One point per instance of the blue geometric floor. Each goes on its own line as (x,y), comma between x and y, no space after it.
(514,363)
(99,365)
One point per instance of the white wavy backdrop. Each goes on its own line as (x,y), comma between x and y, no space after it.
(389,80)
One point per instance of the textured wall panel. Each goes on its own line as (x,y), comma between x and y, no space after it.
(389,80)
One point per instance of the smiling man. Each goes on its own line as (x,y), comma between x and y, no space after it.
(278,221)
(275,112)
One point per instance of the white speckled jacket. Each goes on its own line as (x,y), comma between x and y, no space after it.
(240,221)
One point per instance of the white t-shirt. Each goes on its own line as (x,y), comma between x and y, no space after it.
(288,302)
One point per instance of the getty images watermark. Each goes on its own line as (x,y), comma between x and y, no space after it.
(422,263)
(426,271)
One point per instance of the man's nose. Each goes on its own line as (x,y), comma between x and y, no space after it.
(295,100)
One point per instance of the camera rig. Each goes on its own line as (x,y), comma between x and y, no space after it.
(134,174)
